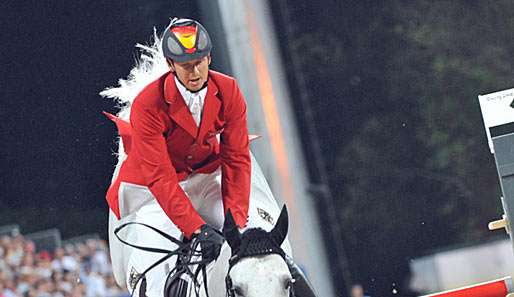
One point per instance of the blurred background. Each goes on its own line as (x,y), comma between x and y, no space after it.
(372,129)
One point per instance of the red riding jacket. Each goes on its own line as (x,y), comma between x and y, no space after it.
(164,146)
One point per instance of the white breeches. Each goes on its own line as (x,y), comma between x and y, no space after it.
(204,191)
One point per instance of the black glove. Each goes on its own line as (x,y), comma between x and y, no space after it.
(211,241)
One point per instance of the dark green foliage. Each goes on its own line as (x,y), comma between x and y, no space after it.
(394,95)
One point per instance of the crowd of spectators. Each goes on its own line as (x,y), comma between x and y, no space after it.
(75,270)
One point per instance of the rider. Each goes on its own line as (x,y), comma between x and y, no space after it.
(188,161)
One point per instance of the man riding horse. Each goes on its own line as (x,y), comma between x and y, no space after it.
(187,163)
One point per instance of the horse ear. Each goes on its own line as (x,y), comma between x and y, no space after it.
(279,232)
(230,231)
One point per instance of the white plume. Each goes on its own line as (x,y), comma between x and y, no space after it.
(150,65)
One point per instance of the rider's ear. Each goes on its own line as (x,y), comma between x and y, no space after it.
(279,232)
(171,65)
(231,232)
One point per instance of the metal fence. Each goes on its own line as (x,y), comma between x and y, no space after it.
(46,240)
(9,230)
(81,239)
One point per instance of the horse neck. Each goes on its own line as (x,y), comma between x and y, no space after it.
(216,274)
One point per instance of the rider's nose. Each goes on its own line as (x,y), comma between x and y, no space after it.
(196,71)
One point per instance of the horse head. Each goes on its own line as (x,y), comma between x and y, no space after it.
(258,265)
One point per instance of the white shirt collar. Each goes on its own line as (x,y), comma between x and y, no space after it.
(194,101)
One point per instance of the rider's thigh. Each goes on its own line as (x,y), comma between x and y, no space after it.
(204,192)
(211,208)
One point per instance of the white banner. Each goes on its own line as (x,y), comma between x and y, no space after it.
(496,110)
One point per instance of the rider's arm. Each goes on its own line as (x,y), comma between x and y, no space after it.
(235,158)
(161,178)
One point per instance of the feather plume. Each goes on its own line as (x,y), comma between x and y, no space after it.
(149,66)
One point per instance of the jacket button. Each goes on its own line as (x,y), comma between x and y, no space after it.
(189,157)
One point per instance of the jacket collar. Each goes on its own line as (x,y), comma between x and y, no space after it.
(179,112)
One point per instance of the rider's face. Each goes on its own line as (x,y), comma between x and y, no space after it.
(193,74)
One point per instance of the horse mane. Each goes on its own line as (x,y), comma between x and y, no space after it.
(150,64)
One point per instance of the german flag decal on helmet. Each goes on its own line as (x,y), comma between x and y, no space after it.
(185,40)
(186,36)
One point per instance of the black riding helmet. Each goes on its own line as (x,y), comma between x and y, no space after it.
(185,40)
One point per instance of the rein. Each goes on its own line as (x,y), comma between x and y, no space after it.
(185,253)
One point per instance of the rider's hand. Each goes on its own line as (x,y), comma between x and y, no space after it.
(211,241)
